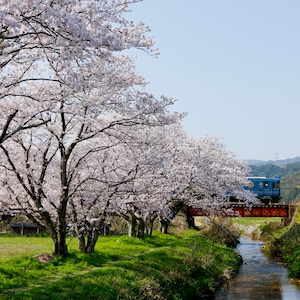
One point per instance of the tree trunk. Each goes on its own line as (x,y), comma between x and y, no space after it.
(163,225)
(87,245)
(58,234)
(149,227)
(81,243)
(141,229)
(60,243)
(60,247)
(150,223)
(190,221)
(132,226)
(92,240)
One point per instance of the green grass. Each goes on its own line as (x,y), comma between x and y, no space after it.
(159,267)
(287,244)
(254,221)
(18,245)
(297,213)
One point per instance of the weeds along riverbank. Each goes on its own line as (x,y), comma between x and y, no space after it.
(282,242)
(188,265)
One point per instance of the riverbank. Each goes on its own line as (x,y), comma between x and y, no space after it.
(260,276)
(183,266)
(285,245)
(281,242)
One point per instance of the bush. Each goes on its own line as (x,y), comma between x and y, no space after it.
(287,247)
(222,231)
(267,230)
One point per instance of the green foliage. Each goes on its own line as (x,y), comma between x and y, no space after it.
(288,246)
(268,229)
(223,232)
(267,170)
(258,227)
(161,266)
(270,170)
(290,178)
(290,187)
(254,221)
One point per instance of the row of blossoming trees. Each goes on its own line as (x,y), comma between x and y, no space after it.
(80,137)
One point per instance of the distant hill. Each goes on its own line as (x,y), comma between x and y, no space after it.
(271,170)
(289,172)
(267,170)
(290,187)
(280,162)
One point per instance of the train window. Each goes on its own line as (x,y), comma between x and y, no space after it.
(276,185)
(266,184)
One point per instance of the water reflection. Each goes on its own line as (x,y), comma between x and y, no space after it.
(260,277)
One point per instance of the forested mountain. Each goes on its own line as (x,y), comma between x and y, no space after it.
(289,174)
(279,162)
(268,170)
(271,170)
(290,187)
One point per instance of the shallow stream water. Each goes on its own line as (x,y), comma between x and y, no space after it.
(260,277)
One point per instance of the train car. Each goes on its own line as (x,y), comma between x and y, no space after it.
(267,189)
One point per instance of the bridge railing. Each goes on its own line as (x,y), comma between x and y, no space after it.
(241,210)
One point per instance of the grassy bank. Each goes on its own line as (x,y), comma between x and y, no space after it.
(286,245)
(181,266)
(281,241)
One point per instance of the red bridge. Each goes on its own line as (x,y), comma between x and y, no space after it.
(241,210)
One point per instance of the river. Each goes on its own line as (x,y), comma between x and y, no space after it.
(260,277)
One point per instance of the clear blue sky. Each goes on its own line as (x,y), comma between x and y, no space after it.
(234,67)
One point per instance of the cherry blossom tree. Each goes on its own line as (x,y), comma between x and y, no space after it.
(96,185)
(129,180)
(62,69)
(140,200)
(212,174)
(176,172)
(200,173)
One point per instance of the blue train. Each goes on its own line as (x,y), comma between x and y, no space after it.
(266,189)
